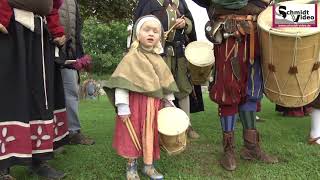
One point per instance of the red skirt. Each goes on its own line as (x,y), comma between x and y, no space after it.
(122,142)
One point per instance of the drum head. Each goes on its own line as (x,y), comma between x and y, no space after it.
(200,53)
(172,121)
(265,23)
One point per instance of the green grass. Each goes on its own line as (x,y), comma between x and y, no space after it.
(284,137)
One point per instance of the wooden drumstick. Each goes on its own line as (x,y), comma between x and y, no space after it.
(134,134)
(131,135)
(167,32)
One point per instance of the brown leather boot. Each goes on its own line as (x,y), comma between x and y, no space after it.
(228,161)
(252,149)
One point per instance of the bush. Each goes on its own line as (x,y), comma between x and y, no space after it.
(106,43)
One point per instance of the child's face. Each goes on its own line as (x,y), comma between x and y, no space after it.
(149,34)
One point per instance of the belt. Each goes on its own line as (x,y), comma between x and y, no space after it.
(251,21)
(239,17)
(174,43)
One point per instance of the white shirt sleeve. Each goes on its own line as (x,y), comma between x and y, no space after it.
(123,109)
(121,96)
(122,101)
(169,97)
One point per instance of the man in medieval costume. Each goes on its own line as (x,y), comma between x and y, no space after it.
(237,85)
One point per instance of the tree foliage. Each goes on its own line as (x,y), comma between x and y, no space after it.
(105,42)
(107,10)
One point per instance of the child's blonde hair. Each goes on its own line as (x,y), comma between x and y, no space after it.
(136,43)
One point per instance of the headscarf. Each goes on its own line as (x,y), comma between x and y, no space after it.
(136,30)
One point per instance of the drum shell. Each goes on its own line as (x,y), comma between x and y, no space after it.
(279,53)
(173,145)
(200,75)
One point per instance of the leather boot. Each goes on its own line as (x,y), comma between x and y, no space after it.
(228,161)
(252,149)
(42,169)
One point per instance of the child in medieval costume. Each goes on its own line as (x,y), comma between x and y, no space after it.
(137,86)
(238,63)
(178,23)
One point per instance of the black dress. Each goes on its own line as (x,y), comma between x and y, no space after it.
(33,115)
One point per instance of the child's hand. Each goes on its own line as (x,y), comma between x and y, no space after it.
(124,118)
(3,29)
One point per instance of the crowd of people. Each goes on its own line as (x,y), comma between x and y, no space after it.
(42,54)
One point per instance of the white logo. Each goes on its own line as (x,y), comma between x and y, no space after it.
(295,15)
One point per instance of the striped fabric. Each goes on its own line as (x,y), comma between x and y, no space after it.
(228,123)
(248,119)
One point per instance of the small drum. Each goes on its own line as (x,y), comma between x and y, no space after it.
(172,126)
(201,59)
(290,62)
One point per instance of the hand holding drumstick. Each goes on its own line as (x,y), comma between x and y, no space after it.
(179,24)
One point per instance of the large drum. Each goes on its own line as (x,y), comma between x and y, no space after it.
(172,126)
(201,59)
(290,62)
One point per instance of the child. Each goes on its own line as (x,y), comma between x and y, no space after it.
(137,86)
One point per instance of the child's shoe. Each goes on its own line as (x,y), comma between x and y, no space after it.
(132,173)
(152,173)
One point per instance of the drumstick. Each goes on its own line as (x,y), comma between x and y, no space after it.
(132,138)
(134,134)
(131,135)
(167,32)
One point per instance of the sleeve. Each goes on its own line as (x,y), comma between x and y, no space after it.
(203,3)
(143,8)
(122,101)
(190,31)
(55,28)
(169,102)
(79,28)
(5,13)
(121,96)
(169,97)
(189,25)
(123,109)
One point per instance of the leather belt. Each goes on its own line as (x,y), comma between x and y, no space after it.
(239,17)
(251,22)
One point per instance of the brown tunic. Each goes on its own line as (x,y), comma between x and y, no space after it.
(40,7)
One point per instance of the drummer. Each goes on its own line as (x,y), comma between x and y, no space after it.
(238,77)
(138,84)
(175,15)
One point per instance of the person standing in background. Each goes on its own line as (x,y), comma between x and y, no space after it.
(71,21)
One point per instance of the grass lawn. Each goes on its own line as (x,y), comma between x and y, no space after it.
(284,137)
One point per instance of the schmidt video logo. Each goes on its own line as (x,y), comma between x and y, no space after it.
(295,15)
